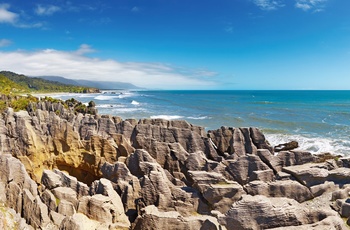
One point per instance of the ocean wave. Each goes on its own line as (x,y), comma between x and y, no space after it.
(104,97)
(199,118)
(312,144)
(127,110)
(135,102)
(263,102)
(125,95)
(109,106)
(167,117)
(85,95)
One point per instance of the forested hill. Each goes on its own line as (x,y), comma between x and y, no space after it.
(18,83)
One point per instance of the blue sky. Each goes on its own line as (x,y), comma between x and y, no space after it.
(176,44)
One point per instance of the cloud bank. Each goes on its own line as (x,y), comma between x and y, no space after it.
(74,65)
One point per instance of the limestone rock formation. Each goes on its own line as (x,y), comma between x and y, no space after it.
(65,170)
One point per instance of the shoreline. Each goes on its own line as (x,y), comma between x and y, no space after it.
(131,173)
(135,105)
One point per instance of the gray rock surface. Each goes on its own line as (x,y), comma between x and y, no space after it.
(60,170)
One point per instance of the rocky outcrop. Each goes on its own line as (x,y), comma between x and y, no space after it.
(261,212)
(65,170)
(286,146)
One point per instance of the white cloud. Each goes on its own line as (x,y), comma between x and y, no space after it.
(46,10)
(84,49)
(302,6)
(74,65)
(5,42)
(7,16)
(268,4)
(315,5)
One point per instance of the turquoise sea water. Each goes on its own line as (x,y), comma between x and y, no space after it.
(318,120)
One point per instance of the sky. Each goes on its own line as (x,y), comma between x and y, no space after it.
(177,44)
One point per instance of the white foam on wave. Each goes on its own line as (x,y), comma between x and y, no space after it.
(199,118)
(312,144)
(135,102)
(109,106)
(127,110)
(167,117)
(104,97)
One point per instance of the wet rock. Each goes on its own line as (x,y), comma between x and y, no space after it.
(286,146)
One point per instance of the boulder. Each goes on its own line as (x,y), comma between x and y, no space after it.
(259,139)
(50,200)
(243,168)
(65,193)
(290,158)
(313,174)
(260,212)
(206,178)
(288,189)
(327,187)
(104,187)
(222,195)
(308,174)
(152,218)
(329,223)
(127,185)
(286,146)
(101,208)
(343,207)
(12,170)
(66,208)
(341,193)
(50,179)
(56,218)
(66,180)
(81,222)
(34,211)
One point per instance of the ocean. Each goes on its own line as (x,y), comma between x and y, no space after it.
(318,120)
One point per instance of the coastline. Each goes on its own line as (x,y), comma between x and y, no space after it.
(130,174)
(317,128)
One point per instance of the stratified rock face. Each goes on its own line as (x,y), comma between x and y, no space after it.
(260,212)
(61,170)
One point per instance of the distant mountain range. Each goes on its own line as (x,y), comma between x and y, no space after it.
(18,83)
(96,84)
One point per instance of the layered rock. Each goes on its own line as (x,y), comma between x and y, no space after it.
(66,170)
